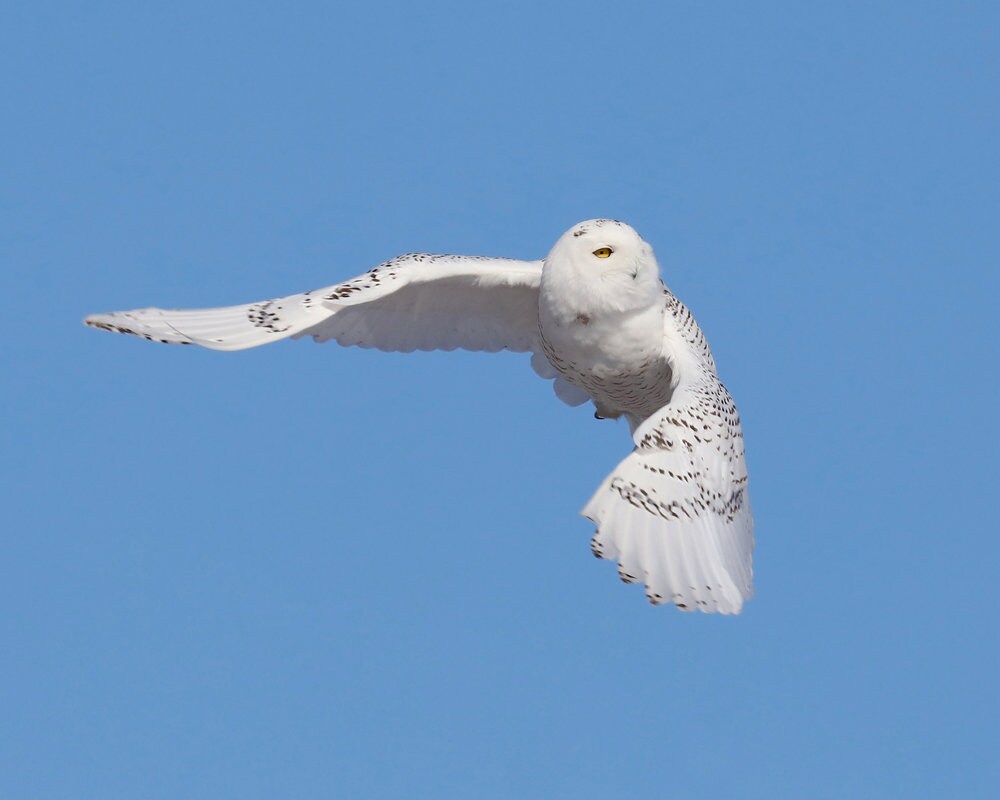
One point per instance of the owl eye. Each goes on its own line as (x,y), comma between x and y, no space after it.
(603,252)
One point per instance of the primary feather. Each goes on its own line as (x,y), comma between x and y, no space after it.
(598,321)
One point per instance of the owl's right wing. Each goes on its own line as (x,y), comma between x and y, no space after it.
(675,514)
(413,302)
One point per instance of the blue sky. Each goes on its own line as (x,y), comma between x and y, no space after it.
(303,571)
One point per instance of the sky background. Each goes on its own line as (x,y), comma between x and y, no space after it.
(311,572)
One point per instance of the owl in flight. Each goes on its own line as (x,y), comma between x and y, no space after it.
(599,322)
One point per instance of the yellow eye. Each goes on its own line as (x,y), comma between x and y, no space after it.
(603,252)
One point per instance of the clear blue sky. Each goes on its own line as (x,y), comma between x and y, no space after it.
(310,572)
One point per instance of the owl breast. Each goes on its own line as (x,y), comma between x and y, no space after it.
(615,357)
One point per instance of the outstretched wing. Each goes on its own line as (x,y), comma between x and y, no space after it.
(675,513)
(416,301)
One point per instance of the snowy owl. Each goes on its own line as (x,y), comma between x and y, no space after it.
(599,321)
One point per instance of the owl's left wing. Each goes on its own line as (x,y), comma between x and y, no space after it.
(675,513)
(416,301)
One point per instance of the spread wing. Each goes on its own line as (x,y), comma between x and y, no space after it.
(675,513)
(413,302)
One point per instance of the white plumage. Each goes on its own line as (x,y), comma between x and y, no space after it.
(598,320)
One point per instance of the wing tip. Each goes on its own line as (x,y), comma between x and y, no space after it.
(726,598)
(111,323)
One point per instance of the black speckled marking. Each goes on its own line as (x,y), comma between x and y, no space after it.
(265,315)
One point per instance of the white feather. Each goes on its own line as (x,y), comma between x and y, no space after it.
(662,504)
